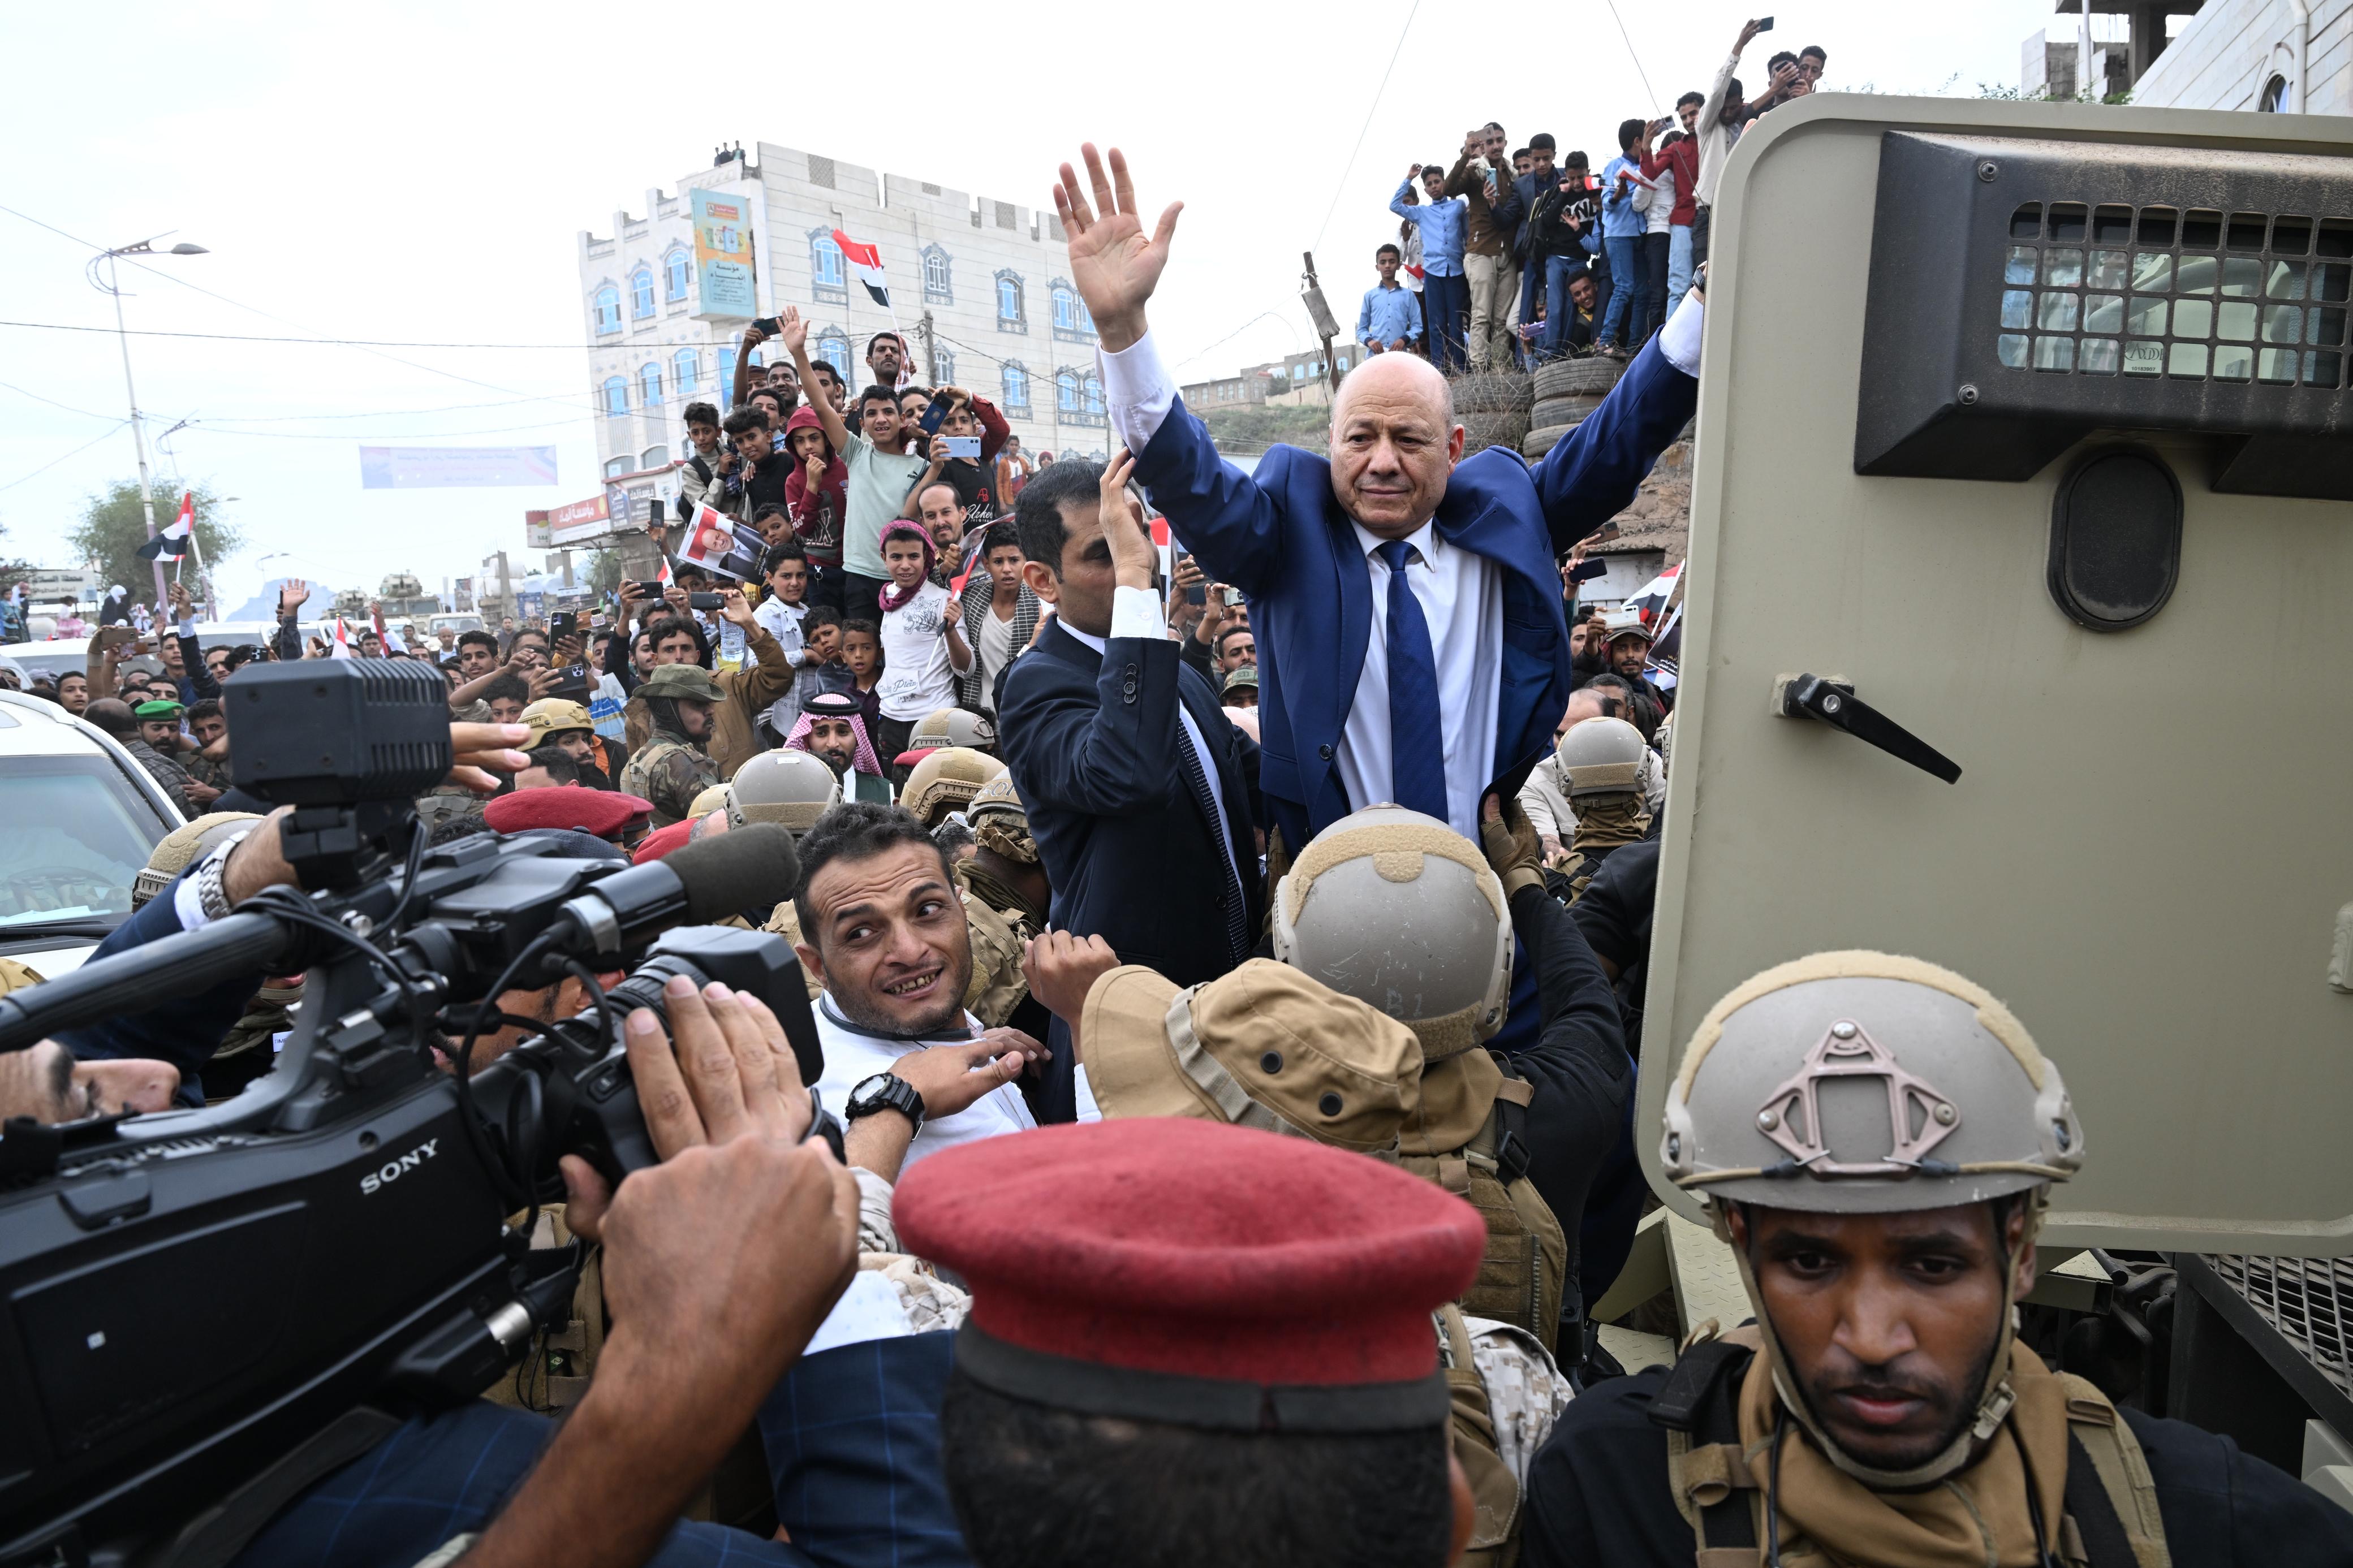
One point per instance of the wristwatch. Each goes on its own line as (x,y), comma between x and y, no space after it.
(884,1091)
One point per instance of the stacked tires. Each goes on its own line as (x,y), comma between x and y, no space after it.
(1566,391)
(1493,410)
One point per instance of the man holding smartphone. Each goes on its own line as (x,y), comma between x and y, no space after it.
(962,452)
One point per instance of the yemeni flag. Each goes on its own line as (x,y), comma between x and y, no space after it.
(1664,667)
(662,576)
(342,648)
(1652,597)
(866,261)
(172,544)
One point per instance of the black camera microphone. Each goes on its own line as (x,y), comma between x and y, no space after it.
(702,883)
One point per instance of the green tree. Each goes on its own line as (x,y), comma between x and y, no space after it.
(604,572)
(113,526)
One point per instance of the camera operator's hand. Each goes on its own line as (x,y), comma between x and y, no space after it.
(476,748)
(729,1074)
(1062,968)
(734,607)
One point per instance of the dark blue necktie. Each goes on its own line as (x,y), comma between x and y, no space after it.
(1417,741)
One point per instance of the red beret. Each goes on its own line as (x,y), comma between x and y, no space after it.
(601,812)
(1194,1272)
(909,759)
(661,841)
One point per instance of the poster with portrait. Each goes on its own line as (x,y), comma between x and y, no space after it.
(717,542)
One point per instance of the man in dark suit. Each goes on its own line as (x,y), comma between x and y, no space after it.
(1407,611)
(1132,775)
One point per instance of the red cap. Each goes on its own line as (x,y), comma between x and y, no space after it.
(909,759)
(661,841)
(601,812)
(1202,1260)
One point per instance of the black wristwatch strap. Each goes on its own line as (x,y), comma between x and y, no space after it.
(895,1093)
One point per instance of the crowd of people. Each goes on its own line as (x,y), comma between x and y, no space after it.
(1229,967)
(1508,260)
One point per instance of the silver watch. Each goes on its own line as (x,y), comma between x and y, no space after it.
(212,897)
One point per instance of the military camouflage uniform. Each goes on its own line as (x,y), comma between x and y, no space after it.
(670,772)
(164,771)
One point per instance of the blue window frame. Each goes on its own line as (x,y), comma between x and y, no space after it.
(608,310)
(616,395)
(827,277)
(939,278)
(833,347)
(687,367)
(650,385)
(1066,391)
(1016,382)
(1011,316)
(1071,322)
(641,293)
(1094,394)
(675,268)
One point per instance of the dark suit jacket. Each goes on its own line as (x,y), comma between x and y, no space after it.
(1092,743)
(1281,537)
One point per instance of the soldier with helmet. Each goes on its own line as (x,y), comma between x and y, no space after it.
(565,725)
(945,780)
(953,727)
(1876,1138)
(673,767)
(1603,769)
(790,788)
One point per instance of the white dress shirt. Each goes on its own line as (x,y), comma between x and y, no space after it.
(851,1057)
(1135,613)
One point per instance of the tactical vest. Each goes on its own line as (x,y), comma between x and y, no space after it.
(1522,1275)
(2111,1519)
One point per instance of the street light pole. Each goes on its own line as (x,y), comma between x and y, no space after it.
(138,430)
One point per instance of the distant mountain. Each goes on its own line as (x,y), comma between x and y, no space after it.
(263,606)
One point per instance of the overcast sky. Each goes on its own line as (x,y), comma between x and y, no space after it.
(417,171)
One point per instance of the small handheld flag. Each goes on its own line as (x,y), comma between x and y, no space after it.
(172,542)
(866,263)
(342,646)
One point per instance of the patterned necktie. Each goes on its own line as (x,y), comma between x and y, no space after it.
(1417,741)
(1196,777)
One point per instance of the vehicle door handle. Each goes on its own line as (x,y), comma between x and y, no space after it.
(1833,702)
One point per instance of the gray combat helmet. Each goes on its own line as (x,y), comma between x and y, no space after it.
(1602,756)
(1860,1082)
(1865,1083)
(1402,913)
(787,787)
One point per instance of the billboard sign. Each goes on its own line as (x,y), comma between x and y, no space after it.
(723,256)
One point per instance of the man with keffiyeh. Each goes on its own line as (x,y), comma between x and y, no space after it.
(832,730)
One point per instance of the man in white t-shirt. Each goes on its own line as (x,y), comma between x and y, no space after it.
(922,643)
(883,931)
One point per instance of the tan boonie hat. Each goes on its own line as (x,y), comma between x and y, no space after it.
(553,716)
(952,727)
(687,680)
(946,780)
(1264,1046)
(1602,756)
(183,848)
(788,787)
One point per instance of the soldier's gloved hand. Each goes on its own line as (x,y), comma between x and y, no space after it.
(1510,841)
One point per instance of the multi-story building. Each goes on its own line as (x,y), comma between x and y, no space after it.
(981,288)
(2269,56)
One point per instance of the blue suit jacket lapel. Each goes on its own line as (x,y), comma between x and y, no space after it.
(1471,518)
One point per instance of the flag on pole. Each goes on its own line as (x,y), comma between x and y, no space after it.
(866,262)
(387,639)
(172,544)
(1651,598)
(342,644)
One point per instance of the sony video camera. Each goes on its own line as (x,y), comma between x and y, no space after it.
(208,1310)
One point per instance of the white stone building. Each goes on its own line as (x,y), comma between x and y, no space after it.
(2281,57)
(987,280)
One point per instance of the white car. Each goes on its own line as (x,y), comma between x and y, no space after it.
(82,820)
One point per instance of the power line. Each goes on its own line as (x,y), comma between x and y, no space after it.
(1350,165)
(53,403)
(1647,88)
(76,452)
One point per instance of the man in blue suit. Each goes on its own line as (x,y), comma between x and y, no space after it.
(1408,610)
(1134,780)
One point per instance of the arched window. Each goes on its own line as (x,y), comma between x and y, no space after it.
(833,347)
(939,283)
(943,368)
(1066,391)
(1094,394)
(675,267)
(652,458)
(608,310)
(827,280)
(650,385)
(641,293)
(2275,97)
(1016,382)
(616,467)
(1071,321)
(687,368)
(1010,316)
(616,395)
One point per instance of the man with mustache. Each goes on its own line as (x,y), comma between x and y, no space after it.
(1876,1138)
